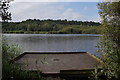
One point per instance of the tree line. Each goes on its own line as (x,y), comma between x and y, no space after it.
(109,47)
(51,26)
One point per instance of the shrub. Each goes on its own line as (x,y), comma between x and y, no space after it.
(10,70)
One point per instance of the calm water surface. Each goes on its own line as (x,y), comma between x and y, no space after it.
(55,42)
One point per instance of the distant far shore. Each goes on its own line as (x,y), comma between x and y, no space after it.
(30,32)
(51,27)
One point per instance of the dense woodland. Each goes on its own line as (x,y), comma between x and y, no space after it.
(50,26)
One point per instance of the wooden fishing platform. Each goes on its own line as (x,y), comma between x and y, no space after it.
(58,63)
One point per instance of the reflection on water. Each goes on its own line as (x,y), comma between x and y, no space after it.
(56,42)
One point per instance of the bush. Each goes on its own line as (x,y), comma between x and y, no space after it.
(70,30)
(10,70)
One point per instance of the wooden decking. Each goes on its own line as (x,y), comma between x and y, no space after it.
(56,62)
(59,65)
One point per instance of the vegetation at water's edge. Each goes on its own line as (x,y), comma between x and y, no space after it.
(109,47)
(11,70)
(49,26)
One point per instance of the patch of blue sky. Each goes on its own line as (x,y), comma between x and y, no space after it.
(86,11)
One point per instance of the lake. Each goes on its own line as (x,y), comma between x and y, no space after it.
(55,42)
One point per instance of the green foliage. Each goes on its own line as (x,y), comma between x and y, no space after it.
(50,27)
(109,57)
(70,30)
(110,42)
(9,51)
(12,71)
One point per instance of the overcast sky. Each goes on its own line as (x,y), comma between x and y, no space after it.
(82,11)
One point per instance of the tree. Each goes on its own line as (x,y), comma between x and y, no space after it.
(10,70)
(110,44)
(4,6)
